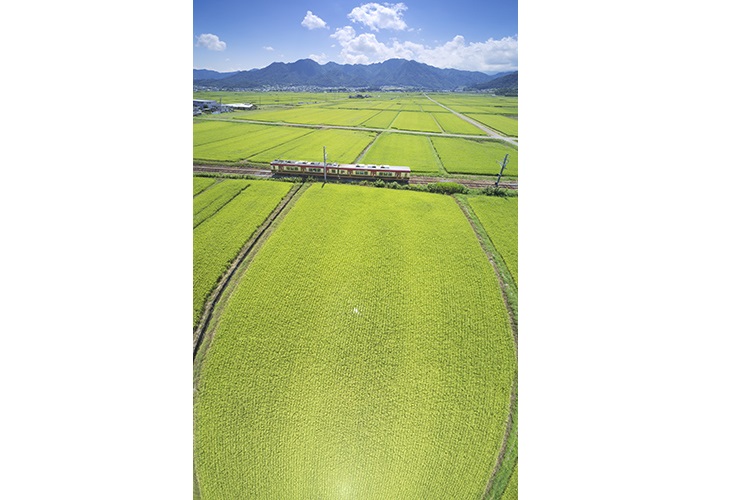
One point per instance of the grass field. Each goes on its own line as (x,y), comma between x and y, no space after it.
(366,353)
(499,217)
(467,156)
(413,151)
(218,239)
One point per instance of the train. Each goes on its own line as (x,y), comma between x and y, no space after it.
(343,170)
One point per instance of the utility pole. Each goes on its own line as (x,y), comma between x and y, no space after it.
(502,167)
(325,169)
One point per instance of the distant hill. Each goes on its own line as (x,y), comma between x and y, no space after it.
(393,72)
(208,74)
(504,84)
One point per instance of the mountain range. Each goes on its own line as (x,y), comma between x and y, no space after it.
(506,82)
(306,72)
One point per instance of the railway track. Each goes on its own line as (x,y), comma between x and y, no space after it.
(264,173)
(466,182)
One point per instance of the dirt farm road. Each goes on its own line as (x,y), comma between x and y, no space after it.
(488,130)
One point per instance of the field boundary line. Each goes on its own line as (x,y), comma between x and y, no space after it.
(511,306)
(222,206)
(504,448)
(208,187)
(506,285)
(442,130)
(208,309)
(367,148)
(441,167)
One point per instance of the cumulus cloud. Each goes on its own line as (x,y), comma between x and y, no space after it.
(319,58)
(211,42)
(343,35)
(489,56)
(311,21)
(268,48)
(379,16)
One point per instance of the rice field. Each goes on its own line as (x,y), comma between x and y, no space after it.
(238,141)
(230,138)
(402,149)
(313,116)
(415,120)
(366,353)
(503,124)
(201,183)
(467,156)
(499,217)
(455,125)
(211,201)
(218,239)
(342,146)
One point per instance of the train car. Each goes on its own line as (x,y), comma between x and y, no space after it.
(343,170)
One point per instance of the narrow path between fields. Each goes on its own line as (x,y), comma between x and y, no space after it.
(216,295)
(505,288)
(489,131)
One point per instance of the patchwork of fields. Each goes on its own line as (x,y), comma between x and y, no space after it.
(366,352)
(296,128)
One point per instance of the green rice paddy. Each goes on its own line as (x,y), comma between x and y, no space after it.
(365,353)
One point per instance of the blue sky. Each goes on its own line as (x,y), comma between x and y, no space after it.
(230,35)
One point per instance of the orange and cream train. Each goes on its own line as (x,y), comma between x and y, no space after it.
(349,171)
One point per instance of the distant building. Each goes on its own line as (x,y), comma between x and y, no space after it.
(205,104)
(245,106)
(201,106)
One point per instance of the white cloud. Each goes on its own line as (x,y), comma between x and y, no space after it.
(489,56)
(311,21)
(343,35)
(269,48)
(379,16)
(319,58)
(211,42)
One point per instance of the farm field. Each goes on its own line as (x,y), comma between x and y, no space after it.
(229,138)
(504,124)
(211,201)
(220,236)
(467,156)
(415,120)
(201,183)
(499,217)
(311,116)
(342,146)
(381,120)
(414,150)
(365,353)
(227,141)
(455,125)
